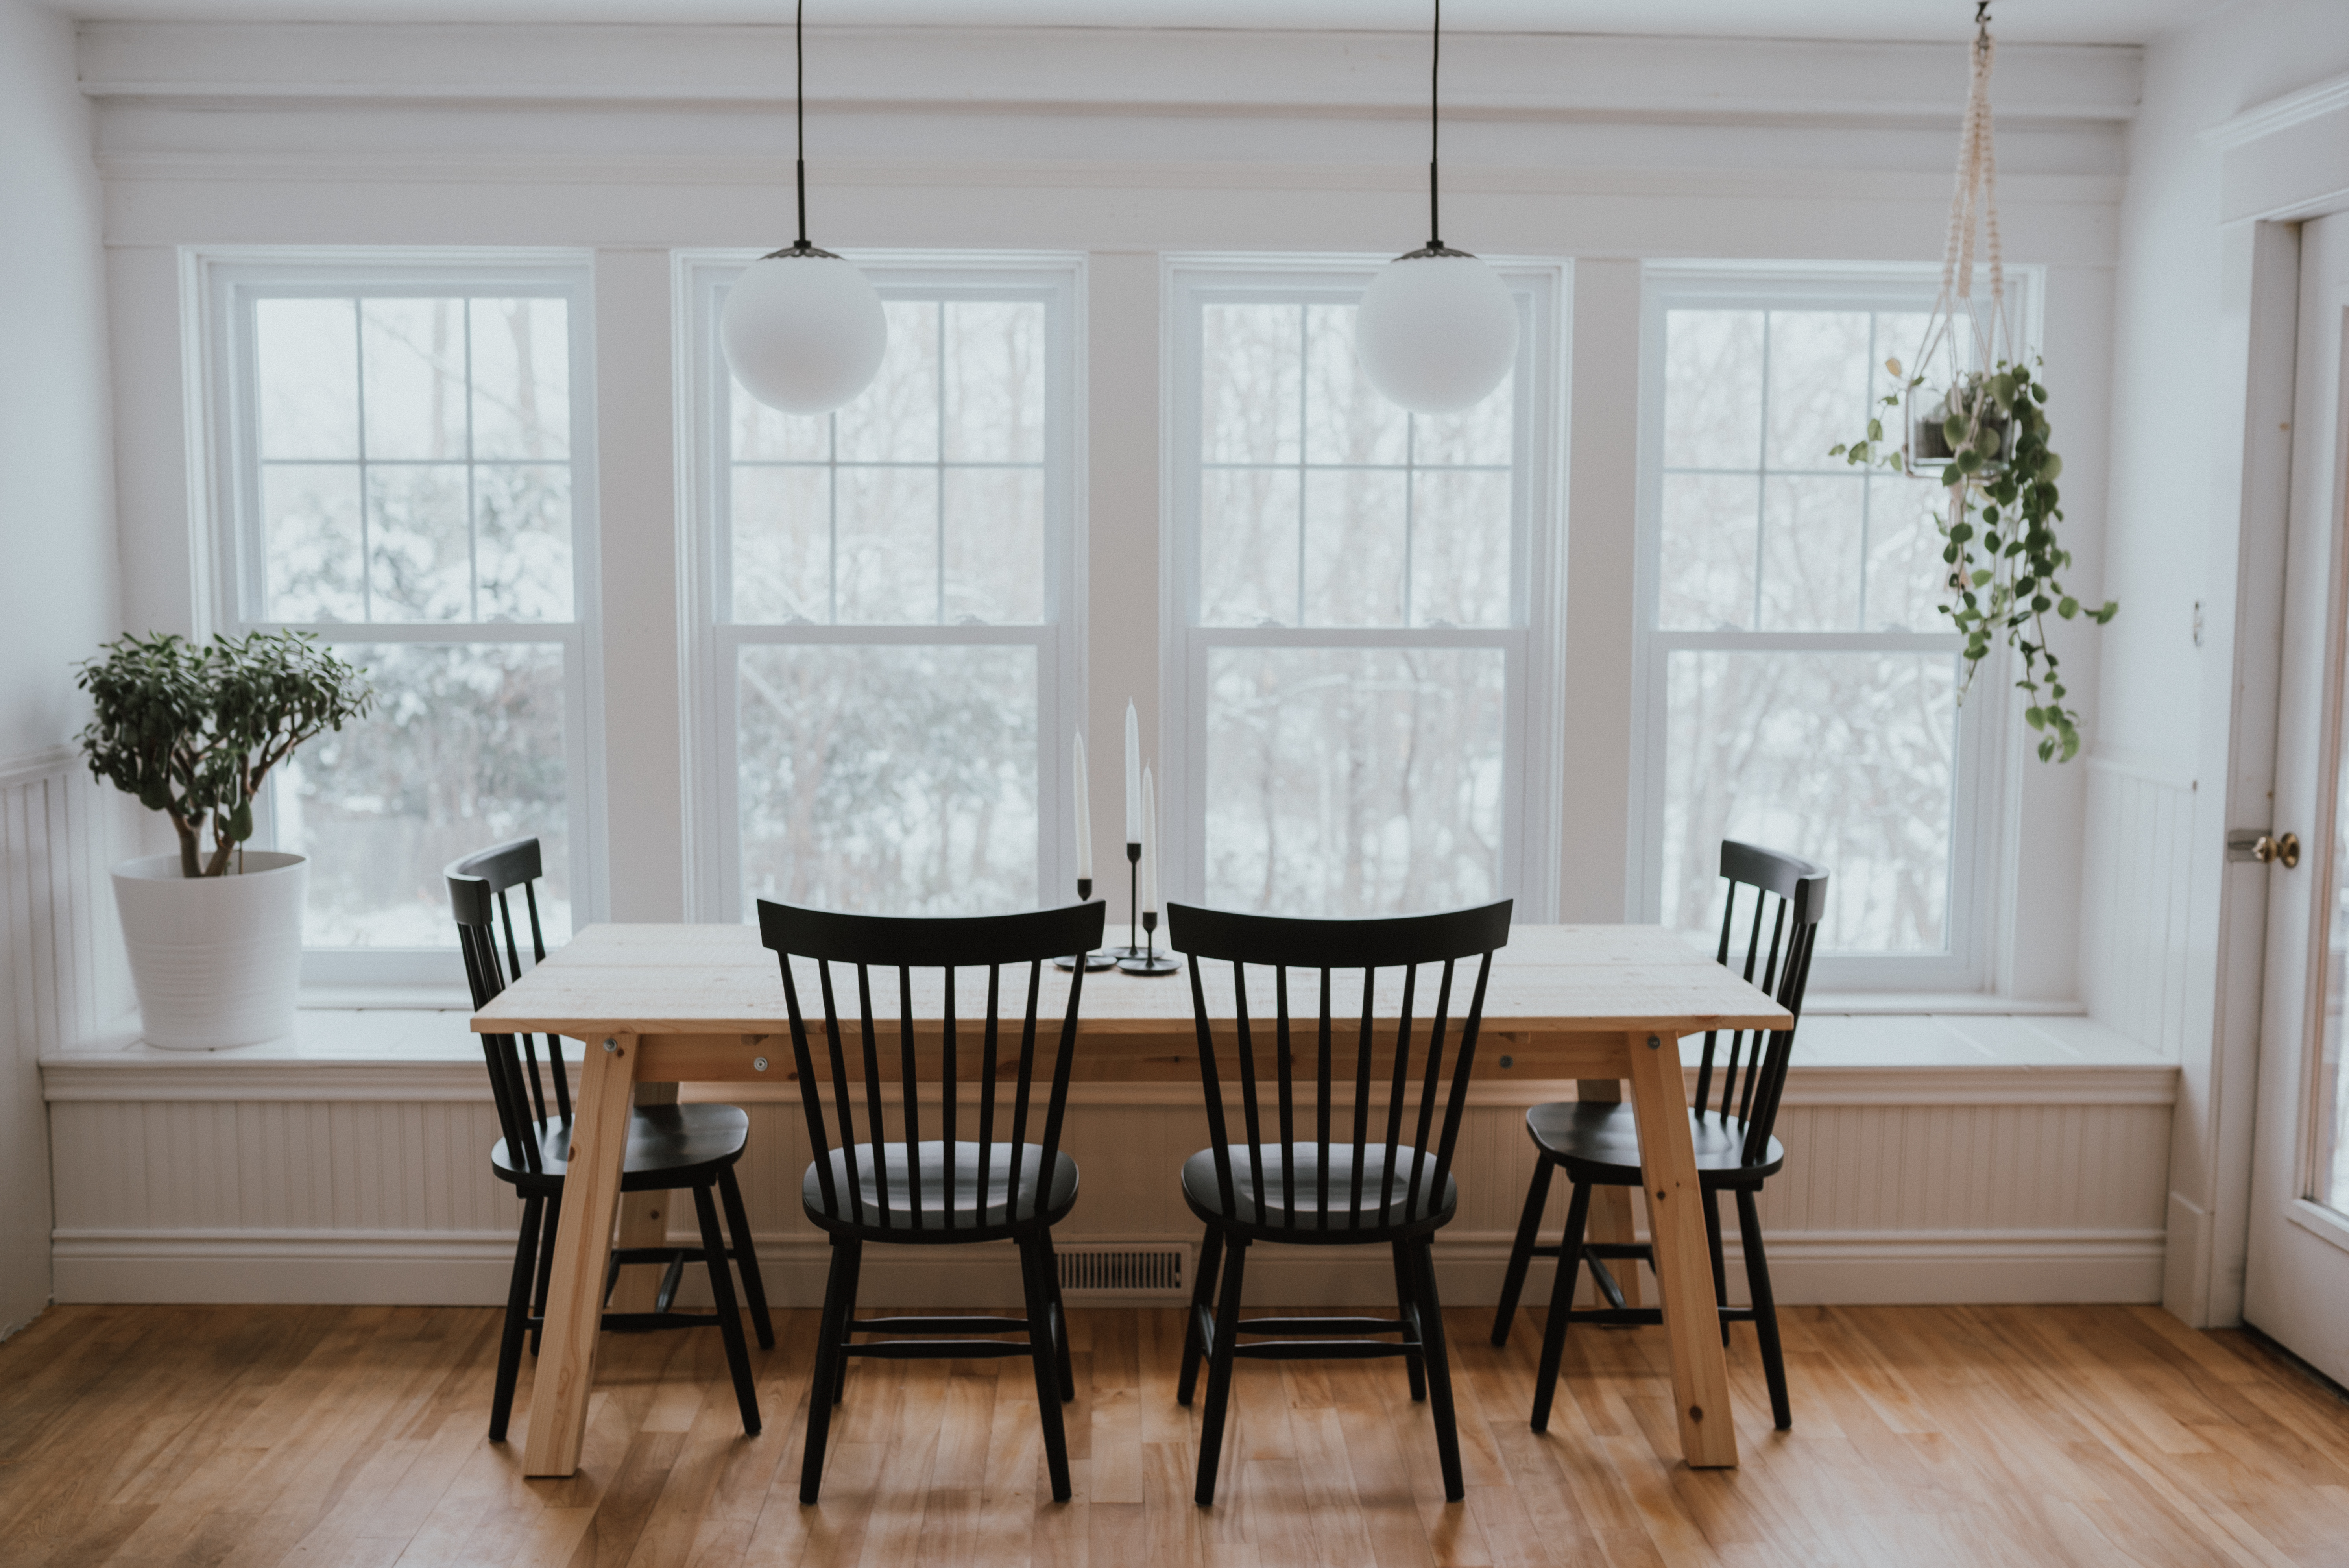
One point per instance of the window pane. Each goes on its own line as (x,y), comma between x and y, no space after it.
(1712,389)
(1460,549)
(464,750)
(896,418)
(1811,553)
(995,545)
(994,381)
(889,545)
(1905,571)
(1354,533)
(1818,384)
(1346,420)
(1248,546)
(306,375)
(310,532)
(1353,781)
(762,435)
(522,541)
(413,353)
(1845,758)
(419,550)
(1706,572)
(1483,436)
(522,379)
(896,781)
(1250,373)
(782,544)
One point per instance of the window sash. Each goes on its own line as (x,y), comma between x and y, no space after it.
(1529,642)
(1976,837)
(222,289)
(715,642)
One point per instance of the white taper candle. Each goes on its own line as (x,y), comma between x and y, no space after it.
(1133,775)
(1084,818)
(1149,845)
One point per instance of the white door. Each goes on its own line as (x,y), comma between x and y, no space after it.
(2296,1283)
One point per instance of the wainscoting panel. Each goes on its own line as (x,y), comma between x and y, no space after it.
(327,1183)
(2134,963)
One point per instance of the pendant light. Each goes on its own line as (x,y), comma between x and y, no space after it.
(803,330)
(1437,330)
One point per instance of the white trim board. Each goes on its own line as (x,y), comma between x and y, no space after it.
(471,1269)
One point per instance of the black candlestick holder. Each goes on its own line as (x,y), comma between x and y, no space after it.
(1095,961)
(1149,961)
(1133,948)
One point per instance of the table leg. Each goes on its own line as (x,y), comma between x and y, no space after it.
(644,1222)
(1683,1262)
(1610,1207)
(582,1248)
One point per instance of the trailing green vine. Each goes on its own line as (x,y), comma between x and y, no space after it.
(1998,533)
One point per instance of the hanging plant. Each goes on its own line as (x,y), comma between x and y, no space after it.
(1983,435)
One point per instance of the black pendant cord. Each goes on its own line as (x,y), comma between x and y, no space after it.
(1434,121)
(798,105)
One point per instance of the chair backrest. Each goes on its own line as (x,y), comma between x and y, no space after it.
(863,943)
(480,896)
(1789,895)
(1400,946)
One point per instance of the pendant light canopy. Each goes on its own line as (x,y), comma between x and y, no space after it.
(803,331)
(1437,330)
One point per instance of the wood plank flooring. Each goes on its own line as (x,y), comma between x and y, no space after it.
(259,1436)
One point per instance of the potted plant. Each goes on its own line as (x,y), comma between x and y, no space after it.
(1983,435)
(214,931)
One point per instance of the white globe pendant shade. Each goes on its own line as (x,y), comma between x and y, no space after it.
(803,331)
(1436,331)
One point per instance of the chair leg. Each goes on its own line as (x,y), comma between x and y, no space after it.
(1521,1250)
(1561,1305)
(1720,1268)
(1203,1295)
(1059,1323)
(1038,1282)
(1414,1357)
(1766,1307)
(1439,1373)
(839,1301)
(517,1318)
(845,1335)
(746,1256)
(1219,1371)
(546,1230)
(729,1313)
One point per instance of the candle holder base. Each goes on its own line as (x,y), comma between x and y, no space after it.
(1149,963)
(1094,962)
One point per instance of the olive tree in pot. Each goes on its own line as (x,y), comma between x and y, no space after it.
(214,931)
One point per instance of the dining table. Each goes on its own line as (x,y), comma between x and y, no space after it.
(1592,1008)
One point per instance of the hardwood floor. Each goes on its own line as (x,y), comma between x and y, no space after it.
(253,1436)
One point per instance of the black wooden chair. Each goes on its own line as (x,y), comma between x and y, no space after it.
(1369,1187)
(670,1149)
(892,1185)
(1598,1144)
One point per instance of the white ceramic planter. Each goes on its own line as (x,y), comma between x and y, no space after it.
(216,958)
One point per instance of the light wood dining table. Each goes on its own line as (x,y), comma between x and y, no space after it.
(1594,1005)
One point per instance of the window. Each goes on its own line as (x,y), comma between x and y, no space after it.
(405,472)
(885,676)
(1801,685)
(1360,622)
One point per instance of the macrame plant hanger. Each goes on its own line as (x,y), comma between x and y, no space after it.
(1941,363)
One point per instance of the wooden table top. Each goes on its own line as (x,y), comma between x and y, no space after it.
(717,980)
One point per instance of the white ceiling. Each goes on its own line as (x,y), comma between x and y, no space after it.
(2022,21)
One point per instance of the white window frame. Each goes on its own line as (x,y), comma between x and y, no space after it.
(712,762)
(1532,642)
(218,288)
(1977,817)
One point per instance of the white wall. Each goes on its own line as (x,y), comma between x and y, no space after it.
(57,590)
(2164,957)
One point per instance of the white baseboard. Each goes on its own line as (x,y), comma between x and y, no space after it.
(472,1268)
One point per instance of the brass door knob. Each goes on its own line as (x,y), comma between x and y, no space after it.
(2284,850)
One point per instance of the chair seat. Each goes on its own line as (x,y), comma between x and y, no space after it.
(1598,1141)
(669,1146)
(953,1208)
(1277,1211)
